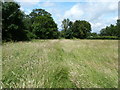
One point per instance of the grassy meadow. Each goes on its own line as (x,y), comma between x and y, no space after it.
(60,64)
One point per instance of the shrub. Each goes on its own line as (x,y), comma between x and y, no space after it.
(103,37)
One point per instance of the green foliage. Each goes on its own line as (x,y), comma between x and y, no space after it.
(67,29)
(103,37)
(118,27)
(93,34)
(27,23)
(30,35)
(12,22)
(65,24)
(81,29)
(39,12)
(18,27)
(78,29)
(109,31)
(43,25)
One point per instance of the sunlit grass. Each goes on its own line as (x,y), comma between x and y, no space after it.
(60,64)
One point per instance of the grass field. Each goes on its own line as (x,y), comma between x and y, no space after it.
(60,64)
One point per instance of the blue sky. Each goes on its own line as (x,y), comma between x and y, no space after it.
(99,13)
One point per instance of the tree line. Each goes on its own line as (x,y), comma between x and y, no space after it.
(39,24)
(17,26)
(109,32)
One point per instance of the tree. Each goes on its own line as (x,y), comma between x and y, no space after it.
(12,22)
(93,34)
(109,31)
(0,21)
(77,29)
(118,27)
(43,25)
(38,12)
(65,24)
(27,23)
(67,28)
(81,29)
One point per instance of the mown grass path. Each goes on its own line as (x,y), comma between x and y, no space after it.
(60,64)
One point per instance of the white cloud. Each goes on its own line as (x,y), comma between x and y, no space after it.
(115,18)
(100,9)
(47,4)
(64,0)
(100,24)
(72,0)
(100,14)
(91,10)
(74,12)
(28,3)
(113,6)
(102,0)
(97,26)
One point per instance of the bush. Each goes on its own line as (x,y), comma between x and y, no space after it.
(30,35)
(103,37)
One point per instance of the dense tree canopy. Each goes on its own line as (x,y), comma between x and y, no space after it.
(39,12)
(111,30)
(118,27)
(12,22)
(81,29)
(45,28)
(77,29)
(0,20)
(43,25)
(17,26)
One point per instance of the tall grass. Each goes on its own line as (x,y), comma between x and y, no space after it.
(60,64)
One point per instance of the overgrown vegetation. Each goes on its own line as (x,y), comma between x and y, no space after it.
(60,64)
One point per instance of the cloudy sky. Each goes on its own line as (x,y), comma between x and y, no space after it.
(100,13)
